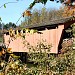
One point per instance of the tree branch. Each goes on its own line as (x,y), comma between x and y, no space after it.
(6,3)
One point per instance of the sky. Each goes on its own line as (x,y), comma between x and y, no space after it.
(13,11)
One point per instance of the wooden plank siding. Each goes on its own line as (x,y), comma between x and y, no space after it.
(51,33)
(51,36)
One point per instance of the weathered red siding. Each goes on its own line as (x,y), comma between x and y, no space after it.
(51,36)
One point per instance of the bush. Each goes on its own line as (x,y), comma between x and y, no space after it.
(44,63)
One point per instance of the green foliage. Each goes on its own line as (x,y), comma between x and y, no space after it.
(4,5)
(9,25)
(42,1)
(73,29)
(13,67)
(62,65)
(1,39)
(67,45)
(43,62)
(42,16)
(46,63)
(31,5)
(0,19)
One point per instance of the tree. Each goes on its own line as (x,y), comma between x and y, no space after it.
(43,16)
(0,25)
(43,2)
(9,25)
(35,18)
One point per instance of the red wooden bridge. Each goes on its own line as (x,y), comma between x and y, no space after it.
(52,33)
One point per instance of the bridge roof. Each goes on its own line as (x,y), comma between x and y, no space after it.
(52,23)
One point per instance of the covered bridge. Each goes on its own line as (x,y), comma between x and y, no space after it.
(51,32)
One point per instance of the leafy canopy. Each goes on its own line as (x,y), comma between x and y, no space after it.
(43,2)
